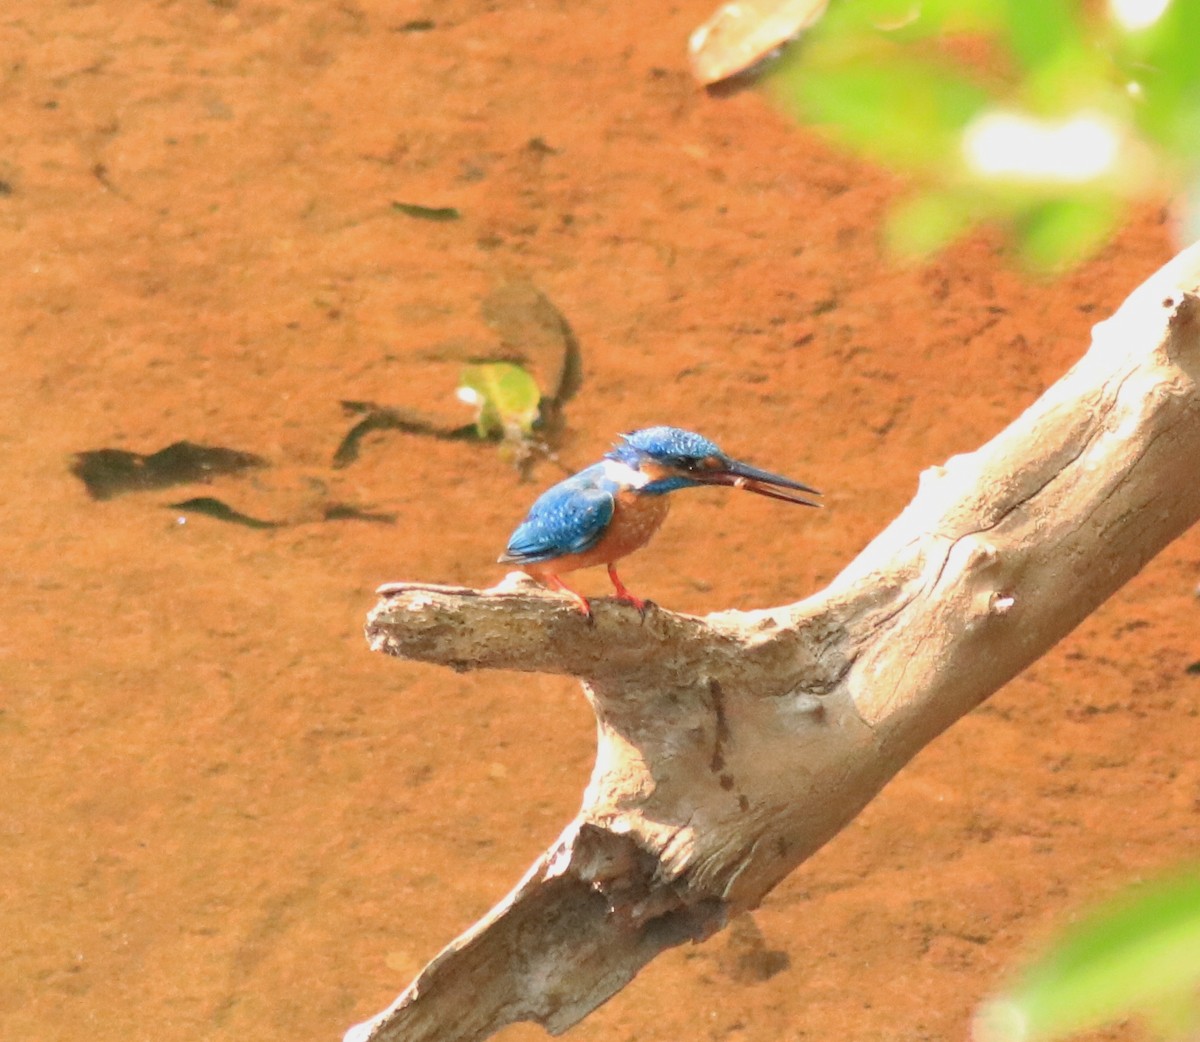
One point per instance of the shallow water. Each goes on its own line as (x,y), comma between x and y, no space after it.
(224,817)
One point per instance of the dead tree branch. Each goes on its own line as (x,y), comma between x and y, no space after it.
(731,748)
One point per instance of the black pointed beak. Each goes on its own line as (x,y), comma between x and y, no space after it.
(762,482)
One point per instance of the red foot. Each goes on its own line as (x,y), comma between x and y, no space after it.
(623,594)
(581,602)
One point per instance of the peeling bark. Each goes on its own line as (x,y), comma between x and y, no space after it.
(732,747)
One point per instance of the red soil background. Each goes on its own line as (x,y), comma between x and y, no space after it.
(222,817)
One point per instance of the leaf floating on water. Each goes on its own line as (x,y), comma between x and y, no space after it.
(508,401)
(212,507)
(534,330)
(384,418)
(215,508)
(505,397)
(464,349)
(107,473)
(347,512)
(740,35)
(427,213)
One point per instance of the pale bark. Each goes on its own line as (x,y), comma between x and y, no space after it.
(730,748)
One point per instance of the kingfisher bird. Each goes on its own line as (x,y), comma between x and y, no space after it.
(615,506)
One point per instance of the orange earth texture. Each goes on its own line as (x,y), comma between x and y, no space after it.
(223,817)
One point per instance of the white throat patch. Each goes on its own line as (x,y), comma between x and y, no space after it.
(624,475)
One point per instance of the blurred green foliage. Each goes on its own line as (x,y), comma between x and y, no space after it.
(1139,956)
(1096,113)
(505,398)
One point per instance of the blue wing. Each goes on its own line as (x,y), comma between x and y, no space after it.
(566,519)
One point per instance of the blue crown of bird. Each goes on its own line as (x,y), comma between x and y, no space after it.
(614,507)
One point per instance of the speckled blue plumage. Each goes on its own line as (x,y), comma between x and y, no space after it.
(571,517)
(614,507)
(671,445)
(568,518)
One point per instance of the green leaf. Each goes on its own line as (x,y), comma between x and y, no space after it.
(1062,232)
(1140,955)
(924,224)
(904,110)
(427,213)
(1073,78)
(1161,60)
(1038,31)
(505,396)
(906,20)
(844,24)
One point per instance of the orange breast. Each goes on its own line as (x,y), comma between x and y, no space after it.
(635,520)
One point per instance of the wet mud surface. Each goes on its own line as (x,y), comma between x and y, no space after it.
(223,817)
